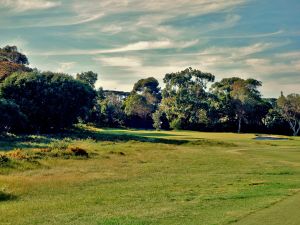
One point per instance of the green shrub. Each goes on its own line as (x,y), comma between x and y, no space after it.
(176,124)
(11,119)
(4,160)
(50,101)
(59,145)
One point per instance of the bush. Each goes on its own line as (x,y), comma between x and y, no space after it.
(18,154)
(176,124)
(11,119)
(78,151)
(3,159)
(160,120)
(51,101)
(59,145)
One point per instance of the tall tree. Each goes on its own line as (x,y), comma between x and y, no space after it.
(12,61)
(185,97)
(11,54)
(149,88)
(289,108)
(112,109)
(88,77)
(136,105)
(142,102)
(237,99)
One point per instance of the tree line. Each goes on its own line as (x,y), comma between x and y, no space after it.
(35,101)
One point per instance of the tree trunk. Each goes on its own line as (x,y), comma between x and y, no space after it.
(293,125)
(240,124)
(296,131)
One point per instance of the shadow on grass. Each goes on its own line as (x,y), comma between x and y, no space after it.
(118,136)
(24,141)
(157,135)
(6,196)
(43,141)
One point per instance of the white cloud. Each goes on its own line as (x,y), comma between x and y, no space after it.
(229,21)
(138,46)
(25,5)
(289,55)
(65,66)
(112,29)
(245,36)
(268,66)
(165,9)
(120,61)
(238,52)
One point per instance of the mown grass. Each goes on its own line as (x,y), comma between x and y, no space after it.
(145,177)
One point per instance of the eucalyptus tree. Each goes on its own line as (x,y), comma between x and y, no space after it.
(238,98)
(88,77)
(142,102)
(11,60)
(289,108)
(11,54)
(185,97)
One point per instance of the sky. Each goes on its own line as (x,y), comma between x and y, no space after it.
(126,40)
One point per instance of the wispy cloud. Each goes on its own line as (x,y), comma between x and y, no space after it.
(120,61)
(289,55)
(112,29)
(65,66)
(230,21)
(125,40)
(138,46)
(26,5)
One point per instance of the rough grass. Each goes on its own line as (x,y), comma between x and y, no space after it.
(146,177)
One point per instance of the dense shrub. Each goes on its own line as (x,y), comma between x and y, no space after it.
(50,101)
(11,119)
(3,159)
(8,68)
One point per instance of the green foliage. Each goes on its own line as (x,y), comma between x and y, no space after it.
(47,101)
(136,105)
(148,86)
(289,108)
(112,111)
(237,99)
(160,120)
(12,61)
(176,124)
(4,160)
(11,54)
(60,144)
(11,119)
(185,97)
(7,68)
(143,102)
(88,77)
(50,101)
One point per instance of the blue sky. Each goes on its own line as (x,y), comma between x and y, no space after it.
(125,40)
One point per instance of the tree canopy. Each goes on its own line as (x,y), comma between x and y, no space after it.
(45,101)
(11,54)
(12,61)
(49,100)
(289,108)
(88,77)
(185,97)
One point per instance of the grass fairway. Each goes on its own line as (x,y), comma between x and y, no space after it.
(150,177)
(285,212)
